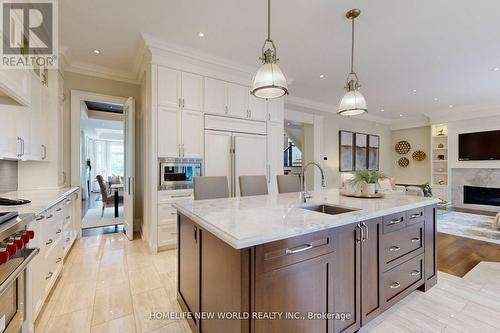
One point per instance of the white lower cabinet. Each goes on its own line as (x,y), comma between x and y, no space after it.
(167,217)
(55,232)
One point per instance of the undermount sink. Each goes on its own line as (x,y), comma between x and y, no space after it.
(329,209)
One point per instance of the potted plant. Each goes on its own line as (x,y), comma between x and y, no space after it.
(89,167)
(427,189)
(367,180)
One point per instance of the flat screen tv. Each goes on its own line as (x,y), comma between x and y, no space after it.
(479,146)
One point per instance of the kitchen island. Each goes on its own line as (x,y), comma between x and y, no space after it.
(274,264)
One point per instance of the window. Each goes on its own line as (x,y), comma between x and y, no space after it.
(293,155)
(117,158)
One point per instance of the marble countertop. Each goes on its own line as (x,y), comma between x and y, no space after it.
(249,221)
(41,200)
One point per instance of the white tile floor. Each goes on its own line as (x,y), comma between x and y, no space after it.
(111,285)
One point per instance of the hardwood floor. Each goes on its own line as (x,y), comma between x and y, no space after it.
(458,255)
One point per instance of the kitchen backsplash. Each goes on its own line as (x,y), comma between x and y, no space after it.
(8,176)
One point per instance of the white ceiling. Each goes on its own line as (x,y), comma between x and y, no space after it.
(445,49)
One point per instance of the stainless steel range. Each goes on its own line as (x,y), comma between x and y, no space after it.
(14,259)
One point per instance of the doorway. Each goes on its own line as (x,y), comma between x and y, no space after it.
(298,148)
(102,159)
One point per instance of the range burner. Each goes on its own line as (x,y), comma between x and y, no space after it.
(13,202)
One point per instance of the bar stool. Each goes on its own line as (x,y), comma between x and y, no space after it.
(253,185)
(288,183)
(210,187)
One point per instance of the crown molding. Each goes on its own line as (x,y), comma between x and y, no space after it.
(102,72)
(410,122)
(464,113)
(307,105)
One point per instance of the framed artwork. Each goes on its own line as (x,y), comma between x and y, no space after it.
(373,152)
(360,151)
(346,151)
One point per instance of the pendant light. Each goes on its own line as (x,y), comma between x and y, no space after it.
(269,81)
(353,102)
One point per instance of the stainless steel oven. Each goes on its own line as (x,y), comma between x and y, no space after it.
(14,259)
(178,173)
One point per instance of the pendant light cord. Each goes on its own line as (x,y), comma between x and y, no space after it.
(268,19)
(352,47)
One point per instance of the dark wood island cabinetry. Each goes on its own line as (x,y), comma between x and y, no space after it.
(333,280)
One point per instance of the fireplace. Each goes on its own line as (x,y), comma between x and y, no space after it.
(481,195)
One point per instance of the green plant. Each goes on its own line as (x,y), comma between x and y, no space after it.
(427,189)
(366,176)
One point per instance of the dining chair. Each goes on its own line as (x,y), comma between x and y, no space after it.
(288,183)
(210,187)
(107,201)
(253,185)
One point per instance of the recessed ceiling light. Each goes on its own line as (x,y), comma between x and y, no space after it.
(400,115)
(450,106)
(321,76)
(96,51)
(496,69)
(382,110)
(435,98)
(201,34)
(414,90)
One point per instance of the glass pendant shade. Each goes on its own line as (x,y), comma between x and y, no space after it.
(269,82)
(353,103)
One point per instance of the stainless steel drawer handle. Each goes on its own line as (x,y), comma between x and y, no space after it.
(50,216)
(67,239)
(395,285)
(173,213)
(180,195)
(48,276)
(415,240)
(395,221)
(58,209)
(414,216)
(415,273)
(50,241)
(68,217)
(39,218)
(58,231)
(394,248)
(298,249)
(58,260)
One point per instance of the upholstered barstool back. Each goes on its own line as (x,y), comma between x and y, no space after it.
(210,187)
(288,183)
(253,185)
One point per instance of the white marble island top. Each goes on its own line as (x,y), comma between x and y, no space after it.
(249,221)
(41,199)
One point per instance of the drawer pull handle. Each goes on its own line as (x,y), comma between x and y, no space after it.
(415,273)
(173,213)
(415,240)
(395,285)
(49,242)
(58,209)
(58,260)
(39,218)
(68,217)
(298,249)
(67,239)
(180,195)
(48,276)
(58,231)
(394,248)
(50,216)
(414,216)
(395,221)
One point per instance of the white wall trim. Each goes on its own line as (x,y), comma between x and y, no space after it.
(102,72)
(408,123)
(464,113)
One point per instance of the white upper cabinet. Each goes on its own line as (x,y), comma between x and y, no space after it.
(168,132)
(169,87)
(192,91)
(257,108)
(237,100)
(276,109)
(192,134)
(9,145)
(215,96)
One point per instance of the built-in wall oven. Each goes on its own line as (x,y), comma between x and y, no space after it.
(14,259)
(178,173)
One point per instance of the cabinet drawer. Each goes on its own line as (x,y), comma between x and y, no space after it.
(167,234)
(172,196)
(415,216)
(402,242)
(285,252)
(402,277)
(394,222)
(166,214)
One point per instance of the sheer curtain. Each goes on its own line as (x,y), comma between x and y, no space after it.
(106,158)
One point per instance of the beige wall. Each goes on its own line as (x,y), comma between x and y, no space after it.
(417,172)
(74,81)
(331,126)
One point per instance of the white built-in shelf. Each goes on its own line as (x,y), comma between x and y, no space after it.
(440,136)
(440,148)
(440,161)
(440,173)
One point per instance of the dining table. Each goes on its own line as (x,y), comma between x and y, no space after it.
(116,189)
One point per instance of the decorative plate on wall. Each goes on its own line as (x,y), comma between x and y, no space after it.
(419,155)
(402,147)
(403,162)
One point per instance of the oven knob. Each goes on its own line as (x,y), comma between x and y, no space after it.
(4,255)
(19,242)
(25,237)
(11,247)
(30,233)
